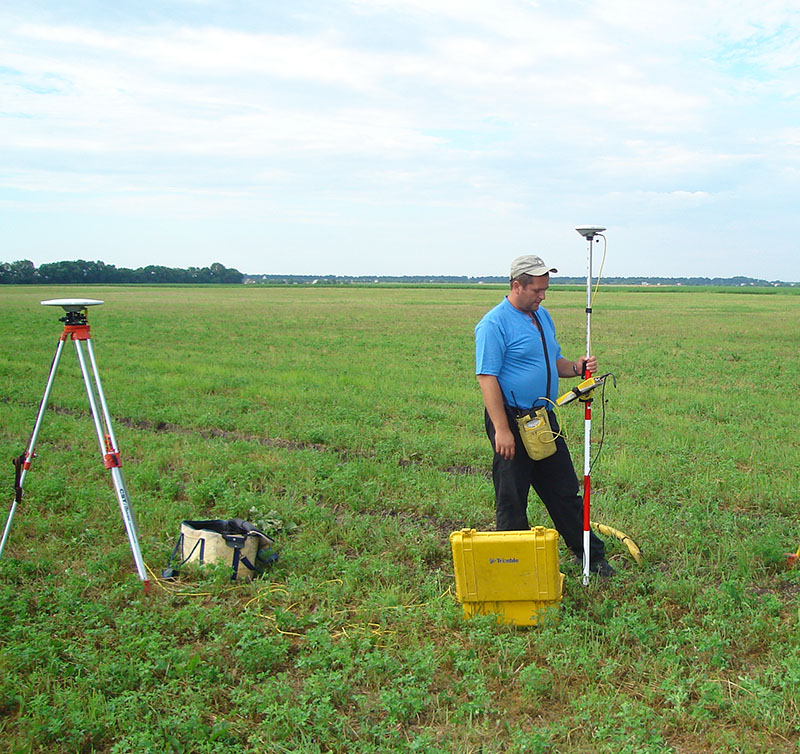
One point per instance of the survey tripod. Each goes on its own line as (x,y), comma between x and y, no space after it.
(76,328)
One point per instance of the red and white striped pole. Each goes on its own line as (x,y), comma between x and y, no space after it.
(588,232)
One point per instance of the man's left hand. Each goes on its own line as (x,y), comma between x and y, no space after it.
(587,363)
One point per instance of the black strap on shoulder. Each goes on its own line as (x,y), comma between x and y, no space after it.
(546,356)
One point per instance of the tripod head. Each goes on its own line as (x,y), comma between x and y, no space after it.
(75,309)
(74,318)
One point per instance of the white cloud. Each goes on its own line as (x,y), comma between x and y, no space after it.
(512,117)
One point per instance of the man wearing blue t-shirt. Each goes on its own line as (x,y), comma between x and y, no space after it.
(518,362)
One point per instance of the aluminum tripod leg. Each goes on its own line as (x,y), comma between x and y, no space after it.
(110,453)
(28,457)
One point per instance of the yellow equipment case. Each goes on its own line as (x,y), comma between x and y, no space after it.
(512,573)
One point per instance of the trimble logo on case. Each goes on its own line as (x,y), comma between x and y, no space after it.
(492,561)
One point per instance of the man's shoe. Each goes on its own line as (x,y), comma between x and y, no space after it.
(601,567)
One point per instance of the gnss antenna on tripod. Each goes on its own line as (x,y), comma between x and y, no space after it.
(76,328)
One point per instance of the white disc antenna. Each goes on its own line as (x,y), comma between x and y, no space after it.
(589,231)
(72,304)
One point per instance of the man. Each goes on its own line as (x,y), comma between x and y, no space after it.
(518,362)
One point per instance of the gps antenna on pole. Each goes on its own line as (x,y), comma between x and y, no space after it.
(588,232)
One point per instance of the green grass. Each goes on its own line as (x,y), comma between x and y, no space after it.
(349,423)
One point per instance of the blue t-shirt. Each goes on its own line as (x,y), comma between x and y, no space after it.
(509,346)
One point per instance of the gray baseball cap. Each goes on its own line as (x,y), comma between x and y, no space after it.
(530,264)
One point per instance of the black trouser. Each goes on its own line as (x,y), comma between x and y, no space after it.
(554,481)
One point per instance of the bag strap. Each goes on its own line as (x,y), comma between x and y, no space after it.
(546,355)
(237,542)
(171,572)
(239,558)
(201,543)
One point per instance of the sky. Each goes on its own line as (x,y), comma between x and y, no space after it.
(402,137)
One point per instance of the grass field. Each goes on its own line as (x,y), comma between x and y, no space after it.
(348,422)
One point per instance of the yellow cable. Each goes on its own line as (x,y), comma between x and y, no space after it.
(633,548)
(597,284)
(557,411)
(599,274)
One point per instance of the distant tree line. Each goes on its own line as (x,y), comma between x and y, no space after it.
(494,279)
(81,271)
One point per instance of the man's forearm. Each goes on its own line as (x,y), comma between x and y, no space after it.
(504,442)
(493,400)
(567,368)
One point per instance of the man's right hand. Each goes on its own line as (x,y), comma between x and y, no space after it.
(504,442)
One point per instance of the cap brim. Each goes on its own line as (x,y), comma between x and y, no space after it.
(536,272)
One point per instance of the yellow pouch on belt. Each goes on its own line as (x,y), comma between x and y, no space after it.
(537,435)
